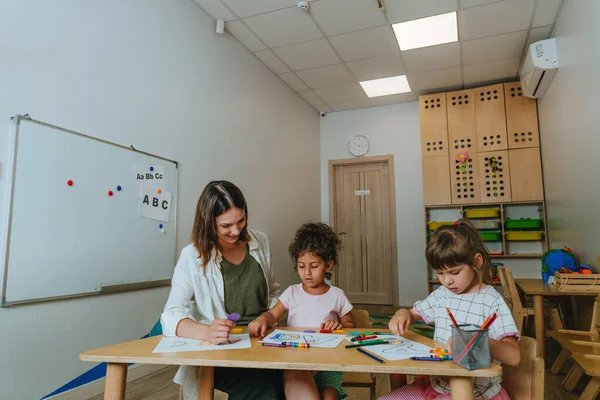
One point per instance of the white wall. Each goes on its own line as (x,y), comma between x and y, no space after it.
(392,130)
(569,122)
(151,73)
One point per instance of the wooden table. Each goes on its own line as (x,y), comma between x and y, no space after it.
(538,289)
(313,359)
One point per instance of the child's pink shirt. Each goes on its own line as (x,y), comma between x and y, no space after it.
(310,311)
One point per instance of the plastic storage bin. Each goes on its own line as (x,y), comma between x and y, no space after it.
(486,224)
(528,223)
(534,235)
(432,226)
(491,236)
(483,213)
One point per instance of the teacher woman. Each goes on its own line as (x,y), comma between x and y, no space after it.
(226,269)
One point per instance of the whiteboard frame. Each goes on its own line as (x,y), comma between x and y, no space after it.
(109,289)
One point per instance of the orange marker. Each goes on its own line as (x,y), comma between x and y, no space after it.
(451,317)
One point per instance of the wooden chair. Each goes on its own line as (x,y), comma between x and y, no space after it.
(517,306)
(590,365)
(525,381)
(361,379)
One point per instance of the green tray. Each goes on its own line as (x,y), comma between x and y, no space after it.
(491,236)
(528,223)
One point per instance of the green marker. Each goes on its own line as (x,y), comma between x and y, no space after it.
(368,343)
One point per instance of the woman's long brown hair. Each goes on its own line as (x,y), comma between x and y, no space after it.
(217,198)
(452,245)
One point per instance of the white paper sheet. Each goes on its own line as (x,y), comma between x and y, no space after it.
(154,179)
(325,340)
(398,351)
(175,344)
(155,205)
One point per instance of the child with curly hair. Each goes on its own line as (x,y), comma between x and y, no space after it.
(312,303)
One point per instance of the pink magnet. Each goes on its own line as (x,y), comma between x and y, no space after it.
(70,182)
(110,192)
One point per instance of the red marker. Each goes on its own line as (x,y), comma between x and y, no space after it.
(325,331)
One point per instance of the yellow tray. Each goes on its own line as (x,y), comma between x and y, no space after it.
(483,213)
(535,235)
(432,226)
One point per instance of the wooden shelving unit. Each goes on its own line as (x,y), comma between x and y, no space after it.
(510,249)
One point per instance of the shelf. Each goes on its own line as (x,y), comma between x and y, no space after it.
(504,203)
(517,256)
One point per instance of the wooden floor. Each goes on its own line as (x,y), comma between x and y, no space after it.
(160,386)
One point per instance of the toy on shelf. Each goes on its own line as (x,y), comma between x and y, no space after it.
(555,259)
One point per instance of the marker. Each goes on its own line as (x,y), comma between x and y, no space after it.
(234,317)
(366,353)
(451,317)
(340,331)
(361,337)
(237,330)
(325,331)
(371,333)
(287,344)
(426,359)
(368,343)
(309,331)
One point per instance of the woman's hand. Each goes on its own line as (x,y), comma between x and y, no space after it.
(331,325)
(400,322)
(219,331)
(259,326)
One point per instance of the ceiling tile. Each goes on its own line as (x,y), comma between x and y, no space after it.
(430,58)
(239,31)
(332,75)
(435,79)
(340,94)
(545,12)
(491,71)
(350,105)
(216,9)
(247,8)
(536,34)
(496,18)
(311,98)
(364,44)
(393,99)
(472,3)
(341,16)
(280,28)
(293,81)
(377,67)
(494,47)
(272,61)
(407,10)
(316,53)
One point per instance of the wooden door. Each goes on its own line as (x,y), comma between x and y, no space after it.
(490,117)
(364,218)
(436,181)
(521,118)
(434,125)
(494,173)
(526,174)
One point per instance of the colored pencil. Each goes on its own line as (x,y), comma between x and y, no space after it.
(426,359)
(368,343)
(366,353)
(475,339)
(451,317)
(371,333)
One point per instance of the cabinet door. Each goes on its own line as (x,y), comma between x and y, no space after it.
(434,125)
(490,118)
(526,174)
(436,181)
(462,128)
(521,118)
(464,181)
(494,172)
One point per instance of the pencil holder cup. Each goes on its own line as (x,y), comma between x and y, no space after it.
(470,348)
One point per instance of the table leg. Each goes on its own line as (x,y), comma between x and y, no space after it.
(461,388)
(116,377)
(540,328)
(206,383)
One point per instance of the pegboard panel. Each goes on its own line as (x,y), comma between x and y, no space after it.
(464,181)
(436,181)
(490,118)
(462,129)
(494,173)
(526,174)
(521,118)
(434,125)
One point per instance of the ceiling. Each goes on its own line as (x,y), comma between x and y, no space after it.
(323,54)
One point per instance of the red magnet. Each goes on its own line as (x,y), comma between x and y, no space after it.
(70,182)
(110,192)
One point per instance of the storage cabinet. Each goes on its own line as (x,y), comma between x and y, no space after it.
(495,176)
(464,180)
(436,180)
(526,174)
(490,118)
(462,130)
(521,118)
(434,125)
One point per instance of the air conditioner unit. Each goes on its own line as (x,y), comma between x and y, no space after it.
(541,63)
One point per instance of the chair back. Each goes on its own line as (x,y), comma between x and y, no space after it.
(511,294)
(525,381)
(361,318)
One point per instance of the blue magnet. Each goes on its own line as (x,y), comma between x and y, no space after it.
(160,226)
(119,188)
(151,168)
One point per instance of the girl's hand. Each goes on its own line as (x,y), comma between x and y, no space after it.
(219,331)
(331,325)
(258,327)
(400,322)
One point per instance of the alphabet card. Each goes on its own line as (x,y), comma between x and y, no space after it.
(400,348)
(151,176)
(155,204)
(177,344)
(314,339)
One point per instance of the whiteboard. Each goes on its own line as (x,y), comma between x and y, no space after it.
(72,240)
